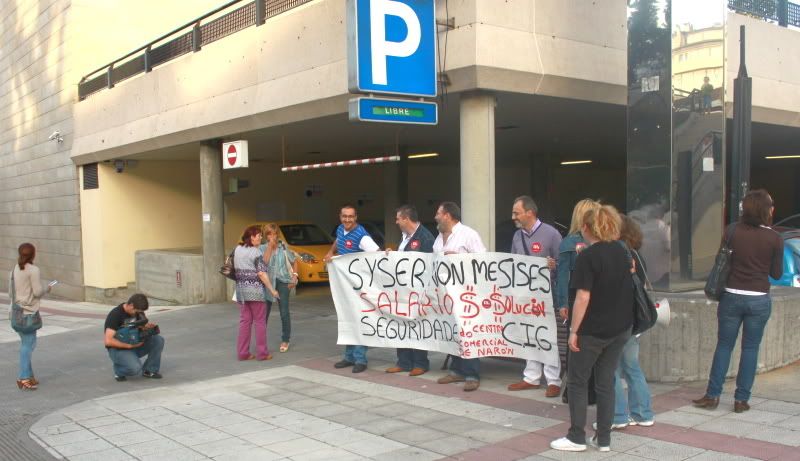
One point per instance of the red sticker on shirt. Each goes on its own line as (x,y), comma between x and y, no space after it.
(536,247)
(414,244)
(579,247)
(348,244)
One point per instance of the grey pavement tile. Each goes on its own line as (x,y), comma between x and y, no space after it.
(537,458)
(295,447)
(111,454)
(719,411)
(354,418)
(181,454)
(103,421)
(134,437)
(729,427)
(206,412)
(161,420)
(777,406)
(147,413)
(341,396)
(83,447)
(589,455)
(229,419)
(495,416)
(313,426)
(790,423)
(317,390)
(188,405)
(373,447)
(69,437)
(224,446)
(343,436)
(403,454)
(58,429)
(492,434)
(219,398)
(262,390)
(425,416)
(266,412)
(304,404)
(665,451)
(458,425)
(450,445)
(718,456)
(186,427)
(759,417)
(328,409)
(119,428)
(416,435)
(385,426)
(294,417)
(283,397)
(265,439)
(777,435)
(531,423)
(683,418)
(246,428)
(195,438)
(283,381)
(368,403)
(328,454)
(82,412)
(251,454)
(245,405)
(620,441)
(393,409)
(50,420)
(156,447)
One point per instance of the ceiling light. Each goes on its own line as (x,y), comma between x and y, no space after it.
(778,157)
(576,162)
(432,154)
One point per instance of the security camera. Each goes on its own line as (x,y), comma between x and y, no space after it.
(56,136)
(119,165)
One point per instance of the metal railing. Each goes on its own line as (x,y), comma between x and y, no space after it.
(189,38)
(783,12)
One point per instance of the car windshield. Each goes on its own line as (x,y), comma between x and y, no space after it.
(305,234)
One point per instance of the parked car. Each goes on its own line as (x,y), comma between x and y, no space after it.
(310,243)
(789,228)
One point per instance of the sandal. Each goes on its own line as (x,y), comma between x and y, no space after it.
(267,357)
(26,384)
(249,357)
(284,347)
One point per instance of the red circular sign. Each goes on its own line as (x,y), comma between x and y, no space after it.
(414,244)
(536,247)
(232,155)
(348,244)
(580,247)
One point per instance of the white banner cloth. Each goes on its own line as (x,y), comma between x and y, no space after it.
(469,305)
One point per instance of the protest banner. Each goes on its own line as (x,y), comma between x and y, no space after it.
(469,305)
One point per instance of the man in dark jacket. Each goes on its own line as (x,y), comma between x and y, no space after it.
(415,238)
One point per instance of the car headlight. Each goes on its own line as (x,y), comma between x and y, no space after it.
(307,258)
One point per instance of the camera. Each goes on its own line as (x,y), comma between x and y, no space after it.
(133,331)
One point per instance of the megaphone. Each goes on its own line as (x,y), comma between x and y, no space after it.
(663,311)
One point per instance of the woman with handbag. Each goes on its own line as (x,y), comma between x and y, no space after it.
(601,322)
(282,264)
(757,253)
(251,279)
(26,292)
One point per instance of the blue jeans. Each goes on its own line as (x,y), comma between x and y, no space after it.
(468,368)
(733,311)
(126,361)
(356,354)
(26,346)
(412,358)
(638,396)
(283,305)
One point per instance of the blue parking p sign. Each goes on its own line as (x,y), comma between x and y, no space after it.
(392,47)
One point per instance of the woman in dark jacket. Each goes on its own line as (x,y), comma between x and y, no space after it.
(757,254)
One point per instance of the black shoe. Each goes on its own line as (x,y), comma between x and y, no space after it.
(151,374)
(120,378)
(359,367)
(343,364)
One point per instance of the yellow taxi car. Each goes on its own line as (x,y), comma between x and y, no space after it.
(310,243)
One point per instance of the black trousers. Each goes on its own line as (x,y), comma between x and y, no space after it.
(603,355)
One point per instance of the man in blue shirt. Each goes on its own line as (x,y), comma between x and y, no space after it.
(351,237)
(415,238)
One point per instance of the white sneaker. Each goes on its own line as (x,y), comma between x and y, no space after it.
(616,426)
(647,423)
(565,444)
(593,442)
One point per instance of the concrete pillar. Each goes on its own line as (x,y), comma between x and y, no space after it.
(391,201)
(477,164)
(212,216)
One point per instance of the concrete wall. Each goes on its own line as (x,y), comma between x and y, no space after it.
(38,181)
(154,204)
(171,275)
(684,350)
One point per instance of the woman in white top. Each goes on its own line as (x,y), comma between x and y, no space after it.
(28,290)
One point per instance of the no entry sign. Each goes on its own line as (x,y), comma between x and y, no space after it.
(234,155)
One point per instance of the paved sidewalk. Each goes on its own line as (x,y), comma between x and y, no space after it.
(311,411)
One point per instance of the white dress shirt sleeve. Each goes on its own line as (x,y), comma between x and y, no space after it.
(367,244)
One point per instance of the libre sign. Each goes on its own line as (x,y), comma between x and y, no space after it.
(234,155)
(392,47)
(393,111)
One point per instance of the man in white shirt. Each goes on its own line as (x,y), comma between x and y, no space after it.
(453,238)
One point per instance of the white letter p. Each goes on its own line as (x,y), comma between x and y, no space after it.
(381,48)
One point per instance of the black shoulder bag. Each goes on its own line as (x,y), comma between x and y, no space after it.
(718,277)
(228,269)
(644,309)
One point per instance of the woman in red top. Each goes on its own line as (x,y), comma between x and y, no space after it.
(757,254)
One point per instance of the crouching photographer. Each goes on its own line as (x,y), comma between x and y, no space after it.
(129,336)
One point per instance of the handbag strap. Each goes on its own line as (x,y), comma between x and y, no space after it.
(286,258)
(13,289)
(648,285)
(729,235)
